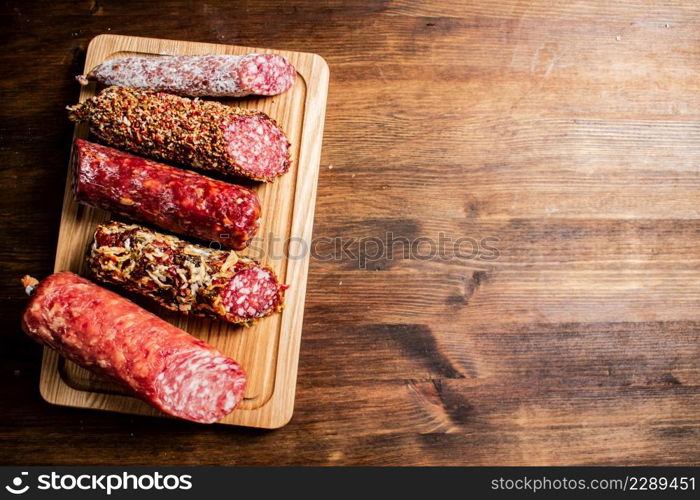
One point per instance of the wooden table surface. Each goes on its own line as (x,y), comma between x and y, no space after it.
(559,140)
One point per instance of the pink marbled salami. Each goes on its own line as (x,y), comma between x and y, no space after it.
(113,337)
(198,76)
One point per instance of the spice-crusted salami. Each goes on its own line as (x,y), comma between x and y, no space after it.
(209,75)
(113,337)
(177,200)
(200,134)
(184,277)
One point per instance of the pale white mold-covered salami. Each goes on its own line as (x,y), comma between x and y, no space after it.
(113,337)
(209,75)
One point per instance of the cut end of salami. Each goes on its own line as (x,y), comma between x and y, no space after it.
(253,293)
(266,74)
(257,145)
(200,385)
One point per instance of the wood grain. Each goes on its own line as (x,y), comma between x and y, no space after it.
(269,350)
(524,120)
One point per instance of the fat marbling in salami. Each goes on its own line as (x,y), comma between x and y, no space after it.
(113,337)
(208,75)
(200,134)
(174,199)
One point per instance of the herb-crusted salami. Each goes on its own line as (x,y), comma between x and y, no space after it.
(184,277)
(198,76)
(174,199)
(200,134)
(113,337)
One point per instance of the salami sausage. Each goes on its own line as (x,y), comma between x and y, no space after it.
(113,337)
(209,75)
(199,134)
(177,200)
(184,277)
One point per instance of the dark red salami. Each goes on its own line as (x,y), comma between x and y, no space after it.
(171,198)
(199,134)
(197,76)
(113,337)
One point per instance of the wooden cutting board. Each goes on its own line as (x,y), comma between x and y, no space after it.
(269,351)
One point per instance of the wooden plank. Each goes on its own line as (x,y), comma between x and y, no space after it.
(557,355)
(268,350)
(467,421)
